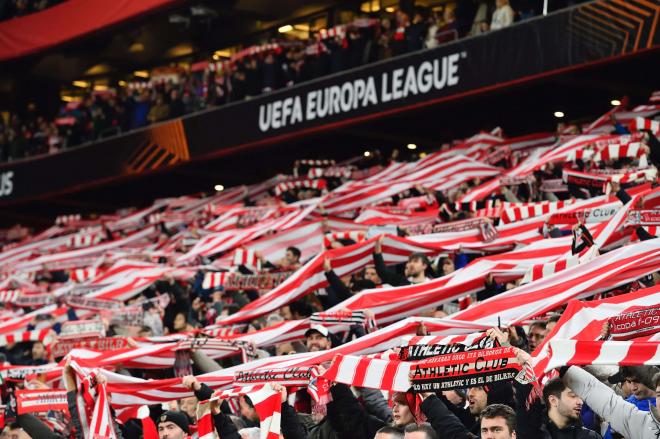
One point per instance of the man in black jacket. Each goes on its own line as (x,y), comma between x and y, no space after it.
(415,272)
(564,408)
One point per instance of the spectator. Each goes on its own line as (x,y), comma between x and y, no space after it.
(503,15)
(415,33)
(448,31)
(624,417)
(481,22)
(536,334)
(415,270)
(177,108)
(317,338)
(39,354)
(420,431)
(564,407)
(497,421)
(160,110)
(640,380)
(388,432)
(173,425)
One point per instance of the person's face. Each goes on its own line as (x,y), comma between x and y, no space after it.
(285,312)
(38,351)
(247,411)
(477,399)
(291,259)
(317,342)
(169,430)
(415,267)
(639,390)
(447,266)
(14,433)
(626,388)
(401,414)
(284,349)
(535,337)
(569,405)
(496,428)
(415,435)
(179,322)
(371,274)
(657,396)
(189,406)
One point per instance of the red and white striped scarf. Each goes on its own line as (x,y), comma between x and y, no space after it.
(42,335)
(511,212)
(247,258)
(102,423)
(356,236)
(299,184)
(582,353)
(266,402)
(40,400)
(639,123)
(80,275)
(584,320)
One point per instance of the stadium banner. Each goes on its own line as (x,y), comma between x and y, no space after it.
(465,369)
(568,38)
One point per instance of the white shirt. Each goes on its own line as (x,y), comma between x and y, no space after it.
(502,17)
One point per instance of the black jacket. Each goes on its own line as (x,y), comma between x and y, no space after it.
(347,416)
(341,291)
(534,424)
(291,427)
(443,421)
(550,431)
(223,425)
(388,275)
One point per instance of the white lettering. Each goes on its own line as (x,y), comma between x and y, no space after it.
(425,77)
(346,96)
(335,96)
(6,184)
(360,88)
(324,98)
(264,117)
(410,85)
(397,93)
(440,81)
(452,78)
(385,95)
(286,110)
(297,115)
(310,113)
(370,96)
(277,114)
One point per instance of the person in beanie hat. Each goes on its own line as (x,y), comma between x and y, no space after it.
(173,425)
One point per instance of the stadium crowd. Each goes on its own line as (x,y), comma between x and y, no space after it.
(336,302)
(18,8)
(254,71)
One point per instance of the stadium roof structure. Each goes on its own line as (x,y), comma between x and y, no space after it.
(515,78)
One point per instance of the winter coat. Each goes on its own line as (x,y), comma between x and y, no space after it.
(624,417)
